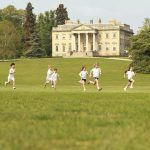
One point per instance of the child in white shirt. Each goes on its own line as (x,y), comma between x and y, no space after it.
(83,75)
(49,76)
(55,77)
(95,73)
(130,74)
(11,76)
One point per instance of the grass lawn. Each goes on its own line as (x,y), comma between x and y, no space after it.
(34,118)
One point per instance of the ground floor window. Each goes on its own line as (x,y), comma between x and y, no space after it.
(114,48)
(57,48)
(64,48)
(107,46)
(69,47)
(99,47)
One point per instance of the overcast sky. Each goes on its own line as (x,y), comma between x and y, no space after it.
(131,12)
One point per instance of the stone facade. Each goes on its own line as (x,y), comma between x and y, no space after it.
(74,39)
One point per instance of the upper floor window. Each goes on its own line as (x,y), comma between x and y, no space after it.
(107,35)
(114,35)
(70,36)
(100,36)
(57,37)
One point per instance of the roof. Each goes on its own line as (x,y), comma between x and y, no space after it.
(75,26)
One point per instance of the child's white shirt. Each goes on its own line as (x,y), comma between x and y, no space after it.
(96,72)
(55,76)
(130,74)
(11,72)
(83,74)
(49,73)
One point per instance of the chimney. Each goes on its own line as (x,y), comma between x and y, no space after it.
(91,21)
(99,21)
(78,21)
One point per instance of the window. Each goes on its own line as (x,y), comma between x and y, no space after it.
(107,35)
(70,36)
(100,35)
(64,48)
(57,49)
(63,36)
(114,48)
(69,46)
(57,37)
(99,47)
(114,35)
(107,46)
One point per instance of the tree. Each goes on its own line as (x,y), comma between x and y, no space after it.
(61,15)
(17,18)
(10,13)
(9,40)
(29,25)
(140,49)
(45,23)
(35,49)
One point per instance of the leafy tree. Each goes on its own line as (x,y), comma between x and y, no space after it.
(45,22)
(9,40)
(61,15)
(140,49)
(13,15)
(29,25)
(17,18)
(35,49)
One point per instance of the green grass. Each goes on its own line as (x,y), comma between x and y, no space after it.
(33,118)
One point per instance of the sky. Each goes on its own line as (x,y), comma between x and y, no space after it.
(130,12)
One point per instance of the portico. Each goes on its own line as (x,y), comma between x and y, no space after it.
(84,40)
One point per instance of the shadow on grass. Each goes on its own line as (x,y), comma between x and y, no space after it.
(44,117)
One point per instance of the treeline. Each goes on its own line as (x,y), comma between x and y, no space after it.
(23,34)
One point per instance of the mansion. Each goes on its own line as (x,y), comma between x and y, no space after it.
(74,39)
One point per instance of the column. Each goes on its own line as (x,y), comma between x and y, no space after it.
(87,42)
(79,42)
(73,42)
(60,43)
(94,42)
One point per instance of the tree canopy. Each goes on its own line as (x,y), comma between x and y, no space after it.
(45,23)
(140,49)
(61,15)
(29,25)
(9,40)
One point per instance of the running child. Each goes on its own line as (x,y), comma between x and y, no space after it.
(49,76)
(130,74)
(95,73)
(55,77)
(83,74)
(11,76)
